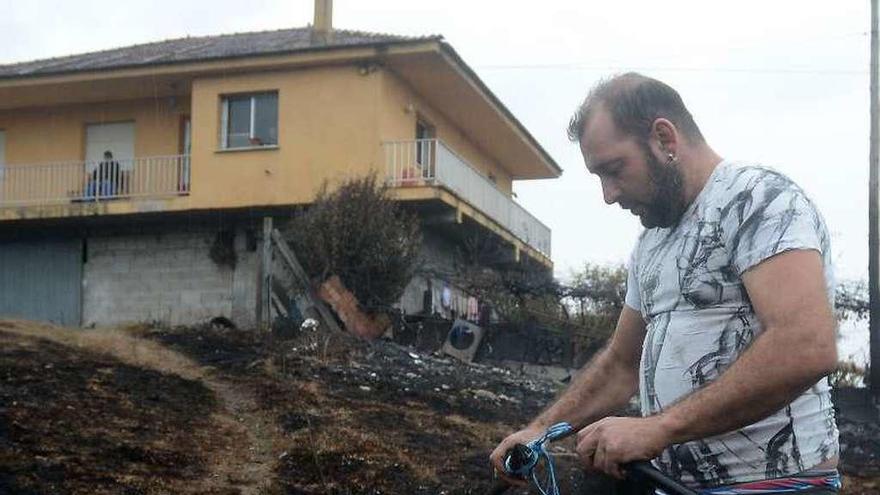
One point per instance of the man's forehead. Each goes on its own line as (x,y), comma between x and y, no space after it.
(600,138)
(599,127)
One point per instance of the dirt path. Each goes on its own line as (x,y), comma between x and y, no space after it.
(246,465)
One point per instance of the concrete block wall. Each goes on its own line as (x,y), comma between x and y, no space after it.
(435,271)
(168,277)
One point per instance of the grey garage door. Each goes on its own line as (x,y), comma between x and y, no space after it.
(41,280)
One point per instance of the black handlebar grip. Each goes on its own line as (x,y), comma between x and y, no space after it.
(647,471)
(519,456)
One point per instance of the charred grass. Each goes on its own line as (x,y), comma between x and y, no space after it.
(343,416)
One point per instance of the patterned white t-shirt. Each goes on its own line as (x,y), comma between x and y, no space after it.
(686,282)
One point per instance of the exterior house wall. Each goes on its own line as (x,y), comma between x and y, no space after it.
(326,129)
(166,276)
(436,270)
(327,126)
(400,108)
(58,134)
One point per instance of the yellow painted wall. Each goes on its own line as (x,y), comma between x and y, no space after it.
(37,136)
(57,134)
(332,121)
(327,128)
(400,108)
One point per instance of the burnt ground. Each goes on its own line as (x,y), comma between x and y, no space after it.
(262,415)
(74,421)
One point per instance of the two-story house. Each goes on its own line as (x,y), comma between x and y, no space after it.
(122,171)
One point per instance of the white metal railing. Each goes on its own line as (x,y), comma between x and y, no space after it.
(432,162)
(87,181)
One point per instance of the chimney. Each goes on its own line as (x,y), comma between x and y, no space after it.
(322,28)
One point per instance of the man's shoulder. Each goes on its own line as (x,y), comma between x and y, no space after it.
(743,175)
(746,183)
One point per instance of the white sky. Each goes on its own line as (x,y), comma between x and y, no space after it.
(781,82)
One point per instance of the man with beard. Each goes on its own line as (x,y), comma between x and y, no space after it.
(728,331)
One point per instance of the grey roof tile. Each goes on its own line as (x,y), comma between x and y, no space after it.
(193,49)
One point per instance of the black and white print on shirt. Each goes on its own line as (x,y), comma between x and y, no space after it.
(686,281)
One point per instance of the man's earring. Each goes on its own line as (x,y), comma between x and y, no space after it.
(670,157)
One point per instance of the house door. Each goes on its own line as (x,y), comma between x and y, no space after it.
(42,280)
(426,147)
(185,150)
(117,138)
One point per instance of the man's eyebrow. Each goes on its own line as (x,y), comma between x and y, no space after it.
(601,166)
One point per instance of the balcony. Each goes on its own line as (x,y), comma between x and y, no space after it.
(86,181)
(431,162)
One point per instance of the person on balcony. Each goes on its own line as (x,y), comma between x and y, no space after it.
(106,178)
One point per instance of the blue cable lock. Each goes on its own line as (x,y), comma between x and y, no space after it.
(523,460)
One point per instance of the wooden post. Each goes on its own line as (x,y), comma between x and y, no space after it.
(874,215)
(264,279)
(300,274)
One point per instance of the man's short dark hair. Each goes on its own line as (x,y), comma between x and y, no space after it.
(635,102)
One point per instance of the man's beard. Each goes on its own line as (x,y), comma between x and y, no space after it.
(667,205)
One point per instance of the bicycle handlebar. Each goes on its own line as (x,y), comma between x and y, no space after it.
(640,468)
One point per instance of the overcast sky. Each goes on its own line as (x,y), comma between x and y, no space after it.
(783,83)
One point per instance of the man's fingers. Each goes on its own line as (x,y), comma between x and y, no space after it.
(585,431)
(510,480)
(599,458)
(497,459)
(586,448)
(496,456)
(610,465)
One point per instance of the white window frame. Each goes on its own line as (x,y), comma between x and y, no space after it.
(224,119)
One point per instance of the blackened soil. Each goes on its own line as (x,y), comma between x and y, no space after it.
(377,418)
(76,422)
(341,417)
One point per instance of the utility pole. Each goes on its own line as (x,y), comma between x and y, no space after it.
(874,214)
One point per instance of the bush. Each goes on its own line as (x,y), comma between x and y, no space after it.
(848,374)
(360,234)
(596,298)
(851,300)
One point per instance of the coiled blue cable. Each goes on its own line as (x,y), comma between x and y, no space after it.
(537,452)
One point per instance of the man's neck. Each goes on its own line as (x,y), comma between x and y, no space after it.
(697,168)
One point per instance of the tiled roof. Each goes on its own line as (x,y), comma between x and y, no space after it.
(192,49)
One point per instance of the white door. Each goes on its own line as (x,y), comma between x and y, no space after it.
(117,138)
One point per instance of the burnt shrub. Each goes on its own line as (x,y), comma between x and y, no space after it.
(356,231)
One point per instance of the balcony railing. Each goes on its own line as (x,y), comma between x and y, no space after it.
(78,182)
(431,162)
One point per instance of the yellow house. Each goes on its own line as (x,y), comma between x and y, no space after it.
(121,169)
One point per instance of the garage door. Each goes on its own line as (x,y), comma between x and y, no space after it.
(41,280)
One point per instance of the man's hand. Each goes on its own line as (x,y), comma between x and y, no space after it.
(497,456)
(607,444)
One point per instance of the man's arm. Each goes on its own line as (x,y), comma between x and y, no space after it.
(602,387)
(606,384)
(796,348)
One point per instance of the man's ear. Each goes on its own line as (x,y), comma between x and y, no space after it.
(666,137)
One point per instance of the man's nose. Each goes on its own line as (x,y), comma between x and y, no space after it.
(610,191)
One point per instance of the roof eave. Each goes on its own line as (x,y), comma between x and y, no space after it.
(500,107)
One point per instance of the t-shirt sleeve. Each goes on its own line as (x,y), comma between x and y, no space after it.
(633,298)
(768,216)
